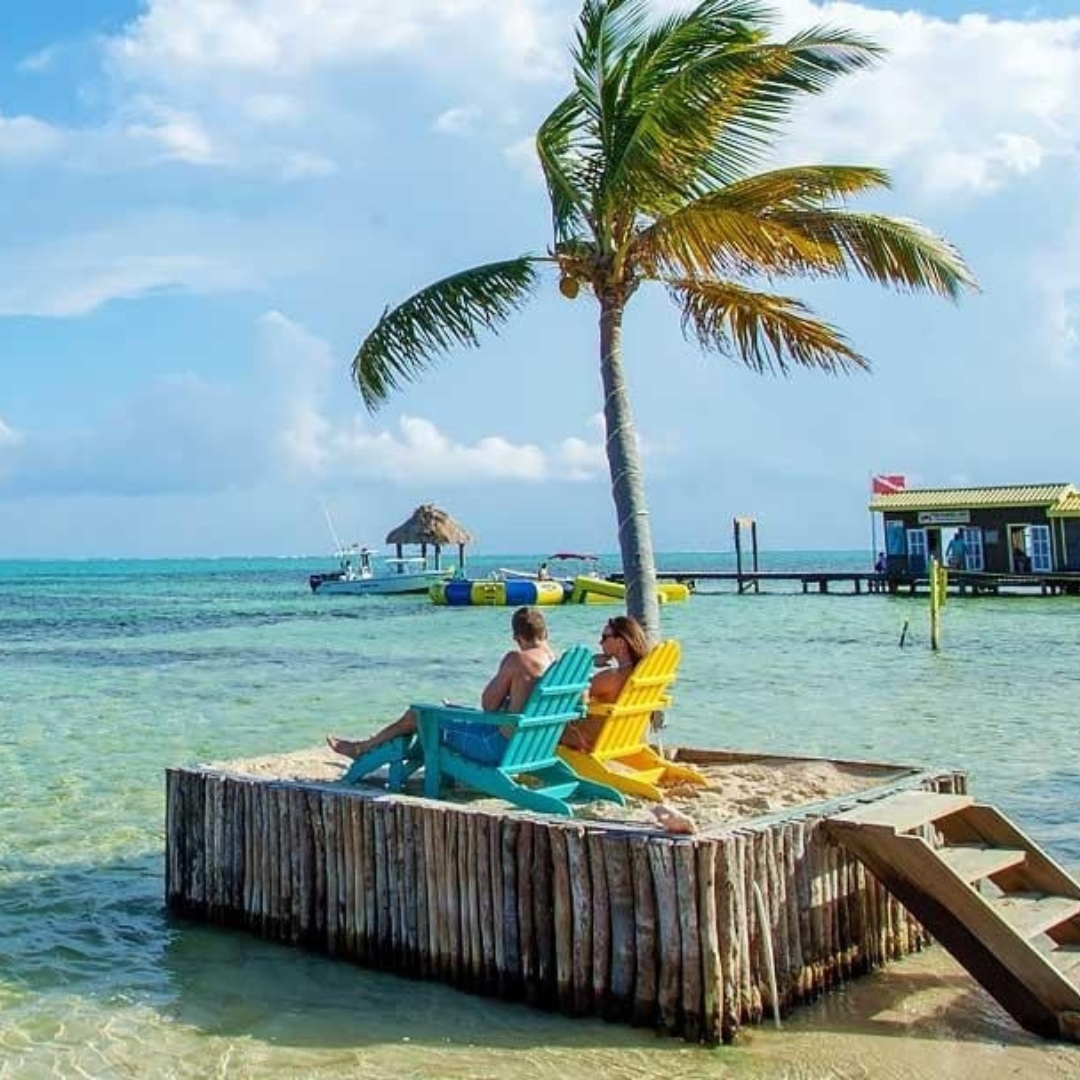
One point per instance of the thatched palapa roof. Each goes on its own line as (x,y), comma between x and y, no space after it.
(429,525)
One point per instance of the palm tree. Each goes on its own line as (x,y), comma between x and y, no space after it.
(650,167)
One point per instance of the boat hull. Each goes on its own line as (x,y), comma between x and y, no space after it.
(380,585)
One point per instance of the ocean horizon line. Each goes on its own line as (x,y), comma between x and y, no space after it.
(475,555)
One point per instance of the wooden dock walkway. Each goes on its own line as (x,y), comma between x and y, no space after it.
(960,582)
(752,580)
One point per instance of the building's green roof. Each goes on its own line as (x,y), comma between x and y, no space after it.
(981,498)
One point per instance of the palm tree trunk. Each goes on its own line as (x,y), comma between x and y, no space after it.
(627,483)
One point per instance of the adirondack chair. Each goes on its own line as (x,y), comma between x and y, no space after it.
(621,755)
(530,774)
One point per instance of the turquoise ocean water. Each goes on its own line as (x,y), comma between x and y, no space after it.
(110,671)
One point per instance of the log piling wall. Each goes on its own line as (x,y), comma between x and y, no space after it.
(588,918)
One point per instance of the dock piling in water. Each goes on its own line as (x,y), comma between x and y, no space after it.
(587,917)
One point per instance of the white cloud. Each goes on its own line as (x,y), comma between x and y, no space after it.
(457,121)
(305,377)
(76,274)
(187,433)
(198,38)
(581,460)
(964,106)
(274,109)
(422,452)
(239,82)
(8,435)
(42,60)
(984,169)
(298,371)
(1056,276)
(521,154)
(25,139)
(180,136)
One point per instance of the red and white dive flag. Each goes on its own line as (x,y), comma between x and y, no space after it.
(887,484)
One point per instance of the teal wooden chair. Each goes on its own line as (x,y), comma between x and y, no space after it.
(403,756)
(530,773)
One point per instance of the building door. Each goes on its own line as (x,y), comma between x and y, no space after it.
(1042,558)
(916,551)
(973,548)
(1026,544)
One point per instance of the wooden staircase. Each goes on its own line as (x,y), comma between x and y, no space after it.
(1004,909)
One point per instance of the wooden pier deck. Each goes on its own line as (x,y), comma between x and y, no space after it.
(821,581)
(960,582)
(691,935)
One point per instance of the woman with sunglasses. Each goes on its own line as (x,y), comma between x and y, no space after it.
(622,644)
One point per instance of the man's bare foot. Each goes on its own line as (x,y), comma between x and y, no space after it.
(346,747)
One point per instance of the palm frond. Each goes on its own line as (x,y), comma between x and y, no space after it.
(891,251)
(659,129)
(773,78)
(566,166)
(571,142)
(738,231)
(718,242)
(801,186)
(710,98)
(765,332)
(451,312)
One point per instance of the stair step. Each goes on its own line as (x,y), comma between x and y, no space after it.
(1032,914)
(904,811)
(984,824)
(973,862)
(1066,958)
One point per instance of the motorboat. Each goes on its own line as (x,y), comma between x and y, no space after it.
(359,574)
(563,566)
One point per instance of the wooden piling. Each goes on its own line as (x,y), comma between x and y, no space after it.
(589,917)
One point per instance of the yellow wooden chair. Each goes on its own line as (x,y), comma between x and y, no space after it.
(621,755)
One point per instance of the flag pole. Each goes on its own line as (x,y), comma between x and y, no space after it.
(873,527)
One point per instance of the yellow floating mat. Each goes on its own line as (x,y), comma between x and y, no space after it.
(594,590)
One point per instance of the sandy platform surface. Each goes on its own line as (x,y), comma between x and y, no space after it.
(737,790)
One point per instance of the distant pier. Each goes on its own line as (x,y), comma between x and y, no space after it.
(748,577)
(752,580)
(961,582)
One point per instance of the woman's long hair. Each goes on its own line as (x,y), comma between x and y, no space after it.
(630,630)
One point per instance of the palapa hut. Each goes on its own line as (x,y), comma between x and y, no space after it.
(430,525)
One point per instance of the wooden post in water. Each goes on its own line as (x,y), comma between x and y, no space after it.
(939,581)
(627,923)
(737,525)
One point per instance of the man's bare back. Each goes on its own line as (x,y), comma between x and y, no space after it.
(515,678)
(508,690)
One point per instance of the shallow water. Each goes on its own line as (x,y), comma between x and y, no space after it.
(112,671)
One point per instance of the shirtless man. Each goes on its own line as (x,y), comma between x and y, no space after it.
(507,691)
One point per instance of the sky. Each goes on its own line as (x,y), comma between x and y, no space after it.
(206,204)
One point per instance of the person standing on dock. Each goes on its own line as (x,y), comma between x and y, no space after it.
(956,552)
